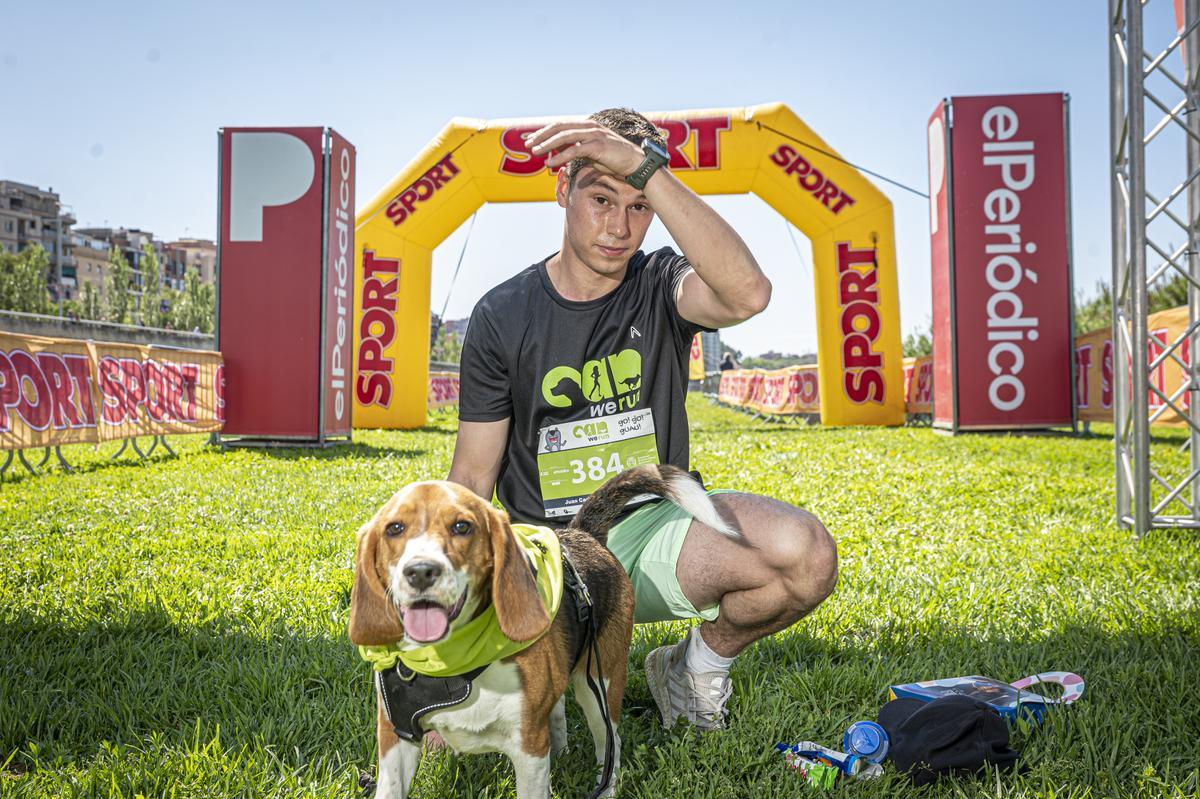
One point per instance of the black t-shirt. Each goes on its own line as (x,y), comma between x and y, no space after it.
(592,387)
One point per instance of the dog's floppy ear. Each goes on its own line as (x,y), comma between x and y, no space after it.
(373,618)
(514,592)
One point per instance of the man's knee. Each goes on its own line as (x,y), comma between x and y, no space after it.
(809,560)
(823,560)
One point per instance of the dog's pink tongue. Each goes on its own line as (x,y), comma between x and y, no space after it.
(426,622)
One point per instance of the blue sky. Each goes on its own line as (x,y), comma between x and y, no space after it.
(116,105)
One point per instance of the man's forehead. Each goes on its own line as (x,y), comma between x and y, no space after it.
(590,177)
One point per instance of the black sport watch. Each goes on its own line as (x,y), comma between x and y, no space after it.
(656,156)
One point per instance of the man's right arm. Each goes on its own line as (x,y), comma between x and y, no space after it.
(478,451)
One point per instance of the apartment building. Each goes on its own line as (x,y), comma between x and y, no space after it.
(28,216)
(91,260)
(200,253)
(94,244)
(128,241)
(174,264)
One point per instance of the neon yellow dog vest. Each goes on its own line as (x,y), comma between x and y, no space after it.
(480,641)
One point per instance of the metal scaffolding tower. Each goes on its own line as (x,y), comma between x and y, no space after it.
(1152,170)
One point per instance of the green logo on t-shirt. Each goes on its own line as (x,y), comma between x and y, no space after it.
(616,378)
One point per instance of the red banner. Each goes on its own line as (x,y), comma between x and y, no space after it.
(1008,281)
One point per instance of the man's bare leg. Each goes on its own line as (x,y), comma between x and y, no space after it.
(784,569)
(785,566)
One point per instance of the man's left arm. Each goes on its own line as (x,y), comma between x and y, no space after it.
(727,286)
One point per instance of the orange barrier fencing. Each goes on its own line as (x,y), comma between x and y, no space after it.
(443,389)
(796,390)
(918,385)
(64,391)
(1094,370)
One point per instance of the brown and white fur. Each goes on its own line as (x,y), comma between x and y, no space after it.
(516,705)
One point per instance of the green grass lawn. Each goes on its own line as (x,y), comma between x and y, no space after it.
(178,628)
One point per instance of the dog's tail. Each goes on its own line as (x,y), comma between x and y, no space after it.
(597,513)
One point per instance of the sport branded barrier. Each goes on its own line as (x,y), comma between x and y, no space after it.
(64,391)
(796,390)
(443,389)
(777,392)
(1094,371)
(918,386)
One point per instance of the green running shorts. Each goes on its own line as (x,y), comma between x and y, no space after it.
(647,543)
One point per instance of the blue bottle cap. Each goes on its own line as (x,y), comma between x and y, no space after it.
(866,739)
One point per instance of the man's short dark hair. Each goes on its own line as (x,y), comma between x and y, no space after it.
(625,122)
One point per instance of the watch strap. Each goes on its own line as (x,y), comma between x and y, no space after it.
(650,164)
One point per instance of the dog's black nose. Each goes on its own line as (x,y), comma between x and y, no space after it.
(422,574)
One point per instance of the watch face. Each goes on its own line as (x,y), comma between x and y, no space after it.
(656,148)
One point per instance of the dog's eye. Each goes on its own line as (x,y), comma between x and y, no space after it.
(461,527)
(394,529)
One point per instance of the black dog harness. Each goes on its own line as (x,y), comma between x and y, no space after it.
(407,696)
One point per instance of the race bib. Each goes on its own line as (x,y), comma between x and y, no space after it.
(576,458)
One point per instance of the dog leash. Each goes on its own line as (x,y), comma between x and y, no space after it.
(586,616)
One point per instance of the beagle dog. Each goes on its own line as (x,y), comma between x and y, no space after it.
(436,557)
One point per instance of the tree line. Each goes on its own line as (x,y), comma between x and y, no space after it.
(24,287)
(1095,313)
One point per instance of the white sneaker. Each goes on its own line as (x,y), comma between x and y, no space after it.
(699,698)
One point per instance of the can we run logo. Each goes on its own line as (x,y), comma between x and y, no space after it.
(610,384)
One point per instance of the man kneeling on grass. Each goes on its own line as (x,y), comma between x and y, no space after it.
(577,368)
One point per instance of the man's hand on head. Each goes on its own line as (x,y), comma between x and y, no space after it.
(727,285)
(610,152)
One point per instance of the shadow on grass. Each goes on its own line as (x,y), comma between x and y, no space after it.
(140,678)
(142,681)
(1136,714)
(119,680)
(1158,434)
(106,457)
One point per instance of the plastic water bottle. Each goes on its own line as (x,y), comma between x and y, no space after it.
(867,740)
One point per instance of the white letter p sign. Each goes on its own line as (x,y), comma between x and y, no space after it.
(937,169)
(266,169)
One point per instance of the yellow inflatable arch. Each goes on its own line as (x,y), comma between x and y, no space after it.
(764,149)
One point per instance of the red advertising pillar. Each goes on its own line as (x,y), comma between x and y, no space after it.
(1003,314)
(284,265)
